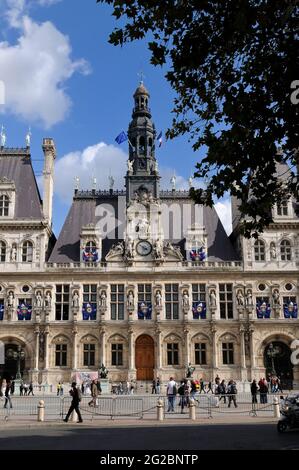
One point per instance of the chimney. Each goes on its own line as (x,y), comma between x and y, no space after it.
(48,174)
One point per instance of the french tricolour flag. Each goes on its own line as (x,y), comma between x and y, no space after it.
(160,138)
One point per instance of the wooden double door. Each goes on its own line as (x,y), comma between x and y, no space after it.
(145,357)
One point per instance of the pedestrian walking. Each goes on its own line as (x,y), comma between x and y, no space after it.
(77,396)
(94,393)
(30,390)
(254,389)
(171,392)
(232,393)
(7,395)
(222,391)
(154,387)
(158,385)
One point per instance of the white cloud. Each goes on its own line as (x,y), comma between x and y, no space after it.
(36,69)
(224,212)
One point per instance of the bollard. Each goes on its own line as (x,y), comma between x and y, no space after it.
(160,410)
(192,411)
(41,411)
(276,408)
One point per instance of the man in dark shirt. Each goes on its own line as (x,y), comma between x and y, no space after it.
(76,394)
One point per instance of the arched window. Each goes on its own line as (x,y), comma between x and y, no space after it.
(2,251)
(141,145)
(259,250)
(4,205)
(285,250)
(90,246)
(27,252)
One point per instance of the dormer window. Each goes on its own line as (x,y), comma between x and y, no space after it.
(27,252)
(2,251)
(259,250)
(282,208)
(4,206)
(285,250)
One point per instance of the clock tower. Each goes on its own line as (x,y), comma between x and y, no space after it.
(142,175)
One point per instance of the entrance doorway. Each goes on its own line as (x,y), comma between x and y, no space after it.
(145,357)
(277,361)
(8,370)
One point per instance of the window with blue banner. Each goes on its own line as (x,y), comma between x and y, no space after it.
(144,302)
(290,307)
(1,309)
(24,309)
(90,253)
(263,309)
(199,308)
(89,308)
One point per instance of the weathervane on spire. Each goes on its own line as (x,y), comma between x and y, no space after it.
(3,137)
(28,137)
(142,76)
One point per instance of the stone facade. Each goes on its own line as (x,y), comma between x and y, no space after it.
(146,301)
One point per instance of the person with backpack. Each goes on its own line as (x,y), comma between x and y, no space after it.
(184,391)
(232,393)
(75,392)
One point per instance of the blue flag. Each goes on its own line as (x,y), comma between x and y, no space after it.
(89,311)
(122,137)
(160,139)
(290,310)
(199,310)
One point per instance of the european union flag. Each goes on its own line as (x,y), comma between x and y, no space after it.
(122,137)
(199,310)
(89,311)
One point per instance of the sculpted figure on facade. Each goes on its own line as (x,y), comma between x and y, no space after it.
(48,299)
(158,249)
(273,251)
(13,253)
(185,300)
(249,301)
(240,298)
(130,300)
(213,298)
(75,299)
(158,298)
(276,298)
(38,300)
(103,299)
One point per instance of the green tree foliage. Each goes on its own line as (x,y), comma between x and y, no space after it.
(231,64)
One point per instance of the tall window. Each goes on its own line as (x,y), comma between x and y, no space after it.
(117,354)
(27,252)
(172,354)
(200,353)
(259,250)
(198,293)
(2,251)
(62,302)
(145,293)
(117,301)
(90,296)
(226,301)
(228,353)
(4,205)
(89,354)
(285,250)
(61,355)
(172,301)
(282,208)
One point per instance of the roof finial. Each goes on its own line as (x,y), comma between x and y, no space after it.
(94,183)
(28,137)
(142,76)
(77,183)
(3,137)
(173,181)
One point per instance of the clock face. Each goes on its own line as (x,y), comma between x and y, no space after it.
(144,248)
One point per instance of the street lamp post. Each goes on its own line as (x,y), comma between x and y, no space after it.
(17,356)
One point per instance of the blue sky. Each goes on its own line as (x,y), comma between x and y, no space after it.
(66,81)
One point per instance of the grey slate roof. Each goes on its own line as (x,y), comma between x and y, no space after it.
(83,212)
(16,166)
